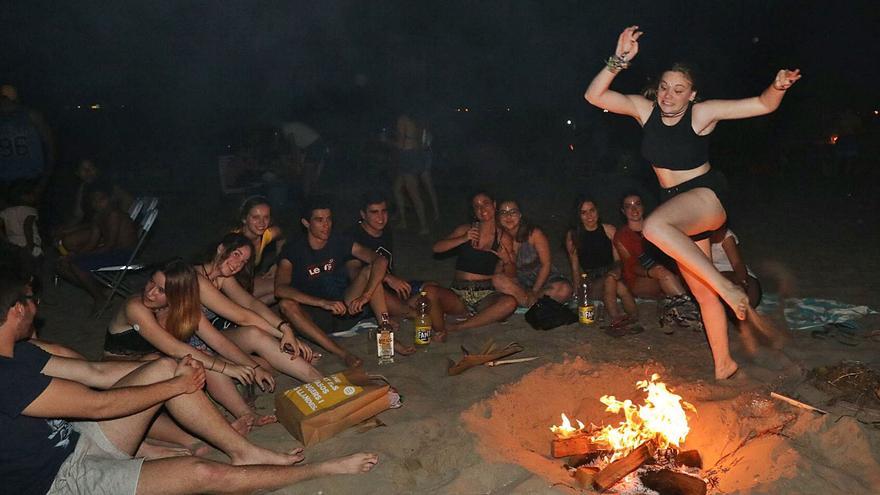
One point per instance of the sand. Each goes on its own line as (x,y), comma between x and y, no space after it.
(486,431)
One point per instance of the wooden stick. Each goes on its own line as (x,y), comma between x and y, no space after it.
(511,361)
(666,482)
(577,445)
(584,476)
(689,458)
(797,403)
(618,469)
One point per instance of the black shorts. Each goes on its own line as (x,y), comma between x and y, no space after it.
(713,180)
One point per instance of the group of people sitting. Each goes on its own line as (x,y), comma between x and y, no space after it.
(212,322)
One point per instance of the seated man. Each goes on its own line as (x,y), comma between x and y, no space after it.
(311,281)
(400,295)
(44,453)
(647,278)
(111,239)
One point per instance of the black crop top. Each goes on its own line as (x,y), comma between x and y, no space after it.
(675,147)
(477,261)
(594,249)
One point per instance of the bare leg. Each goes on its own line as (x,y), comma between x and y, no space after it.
(560,291)
(610,298)
(223,390)
(510,286)
(690,213)
(714,319)
(252,340)
(264,289)
(669,282)
(400,200)
(303,323)
(432,193)
(499,307)
(194,475)
(443,301)
(411,184)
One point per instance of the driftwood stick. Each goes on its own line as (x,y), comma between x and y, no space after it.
(797,403)
(666,482)
(511,361)
(618,469)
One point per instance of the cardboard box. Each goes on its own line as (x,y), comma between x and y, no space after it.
(314,412)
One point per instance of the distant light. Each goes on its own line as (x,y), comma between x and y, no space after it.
(508,109)
(876,112)
(833,139)
(466,109)
(95,106)
(458,109)
(571,147)
(604,110)
(755,40)
(79,106)
(568,122)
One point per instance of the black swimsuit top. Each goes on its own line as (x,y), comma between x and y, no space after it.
(477,261)
(675,147)
(594,249)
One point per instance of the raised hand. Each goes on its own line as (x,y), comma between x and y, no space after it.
(786,78)
(628,43)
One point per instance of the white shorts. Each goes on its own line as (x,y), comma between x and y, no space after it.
(96,466)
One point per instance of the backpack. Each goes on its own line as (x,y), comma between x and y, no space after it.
(548,313)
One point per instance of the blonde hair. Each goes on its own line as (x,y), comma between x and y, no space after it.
(182,293)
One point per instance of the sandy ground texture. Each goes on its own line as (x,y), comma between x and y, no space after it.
(486,431)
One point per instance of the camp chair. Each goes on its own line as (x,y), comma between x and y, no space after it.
(112,276)
(143,204)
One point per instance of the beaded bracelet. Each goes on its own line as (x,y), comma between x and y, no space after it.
(616,63)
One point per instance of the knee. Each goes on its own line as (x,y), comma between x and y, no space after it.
(563,291)
(290,307)
(508,303)
(163,367)
(209,473)
(652,228)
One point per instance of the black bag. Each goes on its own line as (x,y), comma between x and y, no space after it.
(548,313)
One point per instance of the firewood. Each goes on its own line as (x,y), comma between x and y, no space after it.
(576,461)
(584,476)
(666,482)
(689,458)
(577,445)
(616,471)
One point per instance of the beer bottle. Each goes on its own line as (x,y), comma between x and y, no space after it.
(423,321)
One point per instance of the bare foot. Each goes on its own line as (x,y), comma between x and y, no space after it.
(243,425)
(352,361)
(438,337)
(403,350)
(727,372)
(361,462)
(737,300)
(265,420)
(258,455)
(152,451)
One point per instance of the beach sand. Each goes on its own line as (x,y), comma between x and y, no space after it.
(486,431)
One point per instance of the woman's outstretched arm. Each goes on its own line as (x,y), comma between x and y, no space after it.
(599,93)
(709,112)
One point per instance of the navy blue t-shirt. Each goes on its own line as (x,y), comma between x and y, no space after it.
(382,245)
(32,449)
(320,273)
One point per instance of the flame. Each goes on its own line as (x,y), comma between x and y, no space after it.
(565,430)
(660,419)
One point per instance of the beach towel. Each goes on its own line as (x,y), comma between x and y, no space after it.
(810,312)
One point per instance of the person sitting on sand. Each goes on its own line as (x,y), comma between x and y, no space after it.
(245,320)
(591,251)
(372,232)
(20,231)
(477,246)
(312,284)
(112,237)
(646,278)
(165,319)
(114,404)
(729,261)
(531,273)
(255,216)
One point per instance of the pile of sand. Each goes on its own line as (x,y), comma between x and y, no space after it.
(749,444)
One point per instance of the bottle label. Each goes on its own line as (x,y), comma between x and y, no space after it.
(587,314)
(385,345)
(423,335)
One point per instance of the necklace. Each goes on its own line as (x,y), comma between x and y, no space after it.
(674,114)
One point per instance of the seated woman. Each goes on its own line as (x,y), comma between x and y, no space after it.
(531,273)
(166,319)
(644,277)
(477,246)
(245,320)
(591,251)
(255,216)
(728,260)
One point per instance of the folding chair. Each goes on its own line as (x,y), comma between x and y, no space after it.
(112,276)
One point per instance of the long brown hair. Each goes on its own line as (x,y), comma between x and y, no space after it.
(182,294)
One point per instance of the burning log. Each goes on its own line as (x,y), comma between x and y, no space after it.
(584,476)
(666,482)
(689,458)
(618,469)
(576,445)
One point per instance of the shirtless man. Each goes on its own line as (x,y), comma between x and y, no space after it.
(115,403)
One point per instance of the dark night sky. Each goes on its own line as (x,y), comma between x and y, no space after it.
(192,59)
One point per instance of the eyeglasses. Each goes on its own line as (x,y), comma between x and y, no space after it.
(511,212)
